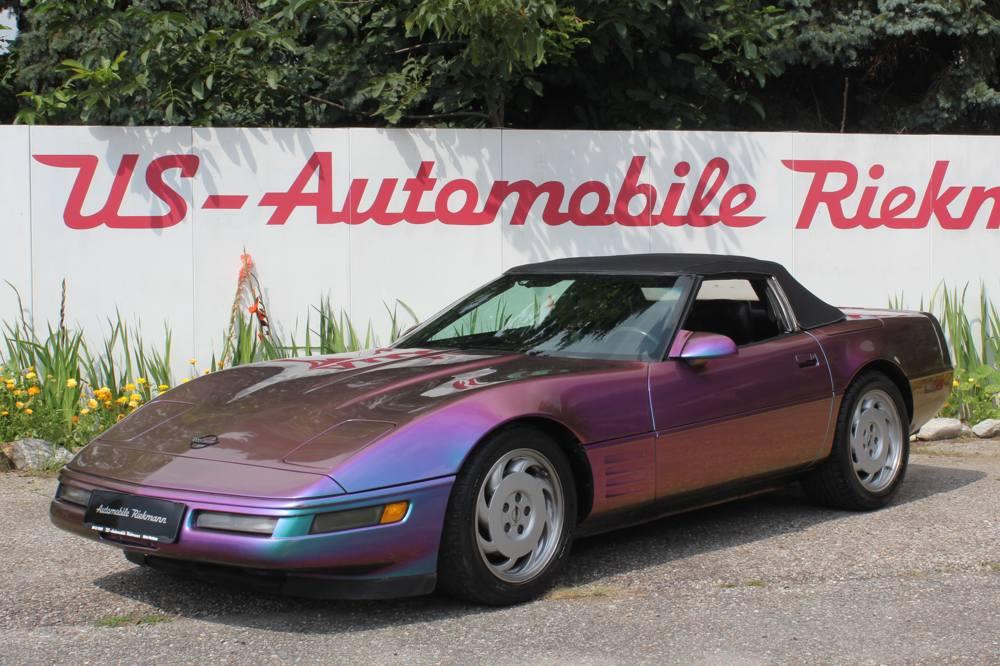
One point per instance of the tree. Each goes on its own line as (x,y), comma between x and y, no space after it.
(888,66)
(8,101)
(305,62)
(666,64)
(591,63)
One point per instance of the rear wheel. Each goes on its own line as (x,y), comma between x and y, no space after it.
(510,520)
(871,448)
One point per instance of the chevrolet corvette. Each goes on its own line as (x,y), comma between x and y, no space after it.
(563,399)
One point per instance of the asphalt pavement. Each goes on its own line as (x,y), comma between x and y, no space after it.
(770,579)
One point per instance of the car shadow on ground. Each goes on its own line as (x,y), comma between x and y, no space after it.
(595,558)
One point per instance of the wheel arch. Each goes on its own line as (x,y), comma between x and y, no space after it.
(896,375)
(583,475)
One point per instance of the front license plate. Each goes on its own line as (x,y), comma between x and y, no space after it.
(134,516)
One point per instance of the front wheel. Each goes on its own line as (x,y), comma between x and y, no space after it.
(510,520)
(871,448)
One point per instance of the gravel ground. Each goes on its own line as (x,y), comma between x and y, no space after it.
(767,580)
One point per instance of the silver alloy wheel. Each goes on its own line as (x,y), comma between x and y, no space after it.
(519,515)
(876,440)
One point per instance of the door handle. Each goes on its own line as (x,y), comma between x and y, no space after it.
(807,360)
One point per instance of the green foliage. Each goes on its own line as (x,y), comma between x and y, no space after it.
(503,42)
(333,333)
(149,63)
(57,388)
(528,63)
(856,65)
(975,395)
(657,63)
(124,359)
(888,66)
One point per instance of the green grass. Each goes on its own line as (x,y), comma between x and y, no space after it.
(114,621)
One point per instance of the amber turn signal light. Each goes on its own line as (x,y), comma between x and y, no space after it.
(393,513)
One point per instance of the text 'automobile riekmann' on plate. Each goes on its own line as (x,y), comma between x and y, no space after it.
(695,196)
(135,514)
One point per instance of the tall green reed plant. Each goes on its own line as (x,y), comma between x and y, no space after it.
(327,331)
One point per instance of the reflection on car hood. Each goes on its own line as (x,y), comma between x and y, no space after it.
(290,414)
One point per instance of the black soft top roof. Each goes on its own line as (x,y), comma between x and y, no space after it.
(810,310)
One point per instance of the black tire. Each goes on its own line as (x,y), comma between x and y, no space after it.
(462,570)
(834,482)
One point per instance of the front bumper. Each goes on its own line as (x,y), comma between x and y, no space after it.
(397,559)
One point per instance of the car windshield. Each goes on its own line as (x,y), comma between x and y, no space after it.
(591,316)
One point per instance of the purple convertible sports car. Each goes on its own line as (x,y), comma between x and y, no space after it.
(565,398)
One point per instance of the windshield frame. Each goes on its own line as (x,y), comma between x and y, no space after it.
(685,282)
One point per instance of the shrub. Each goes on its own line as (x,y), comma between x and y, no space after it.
(57,388)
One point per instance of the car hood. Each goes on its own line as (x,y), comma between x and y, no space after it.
(310,414)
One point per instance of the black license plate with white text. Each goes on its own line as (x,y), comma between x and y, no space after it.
(134,516)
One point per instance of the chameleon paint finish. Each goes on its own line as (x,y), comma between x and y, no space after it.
(689,345)
(303,436)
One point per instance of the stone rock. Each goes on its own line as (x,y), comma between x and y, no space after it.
(61,456)
(966,431)
(34,454)
(987,429)
(940,429)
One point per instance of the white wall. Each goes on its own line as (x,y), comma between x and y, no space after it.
(181,269)
(15,222)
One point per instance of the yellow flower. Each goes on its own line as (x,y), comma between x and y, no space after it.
(141,381)
(120,417)
(30,376)
(163,387)
(34,390)
(122,400)
(955,383)
(92,404)
(5,413)
(107,404)
(129,388)
(84,411)
(9,383)
(206,372)
(220,364)
(71,383)
(193,361)
(135,397)
(972,380)
(19,404)
(133,404)
(29,411)
(185,380)
(19,392)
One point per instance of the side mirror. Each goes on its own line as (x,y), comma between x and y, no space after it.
(698,347)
